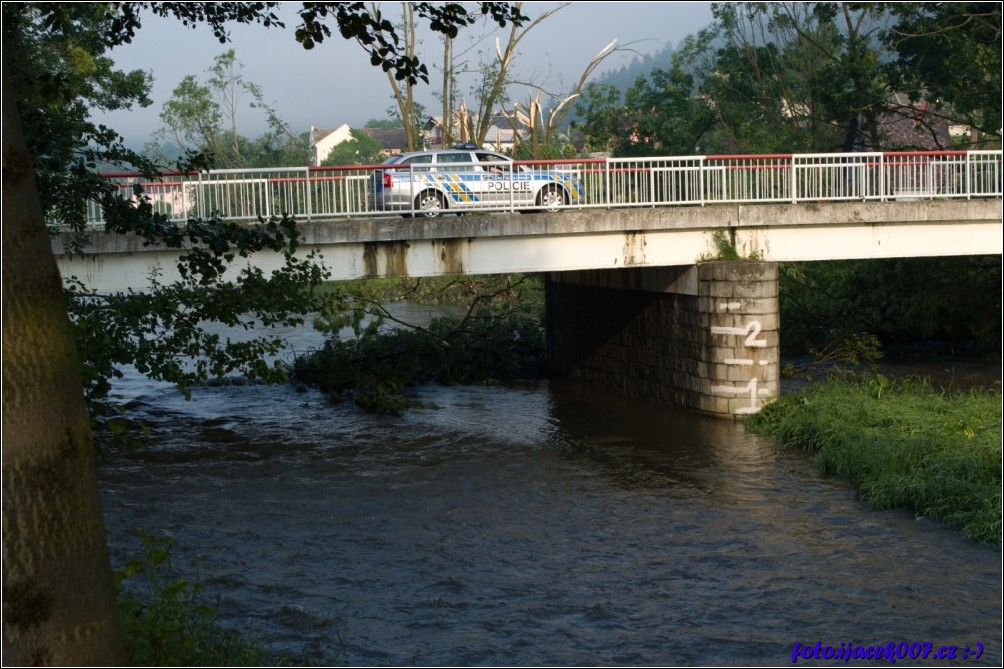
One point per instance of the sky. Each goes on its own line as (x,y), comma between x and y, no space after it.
(334,83)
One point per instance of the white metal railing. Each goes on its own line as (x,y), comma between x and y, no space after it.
(315,193)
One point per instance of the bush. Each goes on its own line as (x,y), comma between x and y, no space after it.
(489,345)
(956,300)
(166,621)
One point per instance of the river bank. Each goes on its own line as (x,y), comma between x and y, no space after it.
(901,444)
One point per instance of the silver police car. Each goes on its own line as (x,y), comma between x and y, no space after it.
(466,178)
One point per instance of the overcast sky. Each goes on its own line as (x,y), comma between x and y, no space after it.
(334,83)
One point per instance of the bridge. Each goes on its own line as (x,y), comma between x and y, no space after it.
(636,301)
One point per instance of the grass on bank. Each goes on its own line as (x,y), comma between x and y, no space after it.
(902,445)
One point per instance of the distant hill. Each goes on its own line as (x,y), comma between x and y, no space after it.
(625,77)
(640,66)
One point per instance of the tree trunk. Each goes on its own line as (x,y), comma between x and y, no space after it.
(59,605)
(448,94)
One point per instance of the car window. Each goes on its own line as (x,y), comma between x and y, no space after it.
(418,159)
(493,162)
(454,157)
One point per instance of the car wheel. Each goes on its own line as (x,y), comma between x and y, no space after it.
(552,198)
(430,204)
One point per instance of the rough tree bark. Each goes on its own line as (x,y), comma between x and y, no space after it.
(59,605)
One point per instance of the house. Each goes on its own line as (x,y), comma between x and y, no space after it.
(323,141)
(501,135)
(434,131)
(504,131)
(392,141)
(913,127)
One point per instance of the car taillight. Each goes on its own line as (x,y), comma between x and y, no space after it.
(388,180)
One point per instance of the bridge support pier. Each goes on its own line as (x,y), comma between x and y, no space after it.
(702,338)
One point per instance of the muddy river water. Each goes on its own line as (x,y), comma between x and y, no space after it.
(531,524)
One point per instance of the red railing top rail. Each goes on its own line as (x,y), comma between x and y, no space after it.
(133,175)
(914,154)
(755,156)
(569,161)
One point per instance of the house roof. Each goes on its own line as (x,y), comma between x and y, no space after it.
(497,119)
(910,126)
(318,134)
(321,134)
(914,128)
(388,138)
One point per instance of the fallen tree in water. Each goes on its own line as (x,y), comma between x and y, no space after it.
(499,338)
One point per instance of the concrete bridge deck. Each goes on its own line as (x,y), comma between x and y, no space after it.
(494,243)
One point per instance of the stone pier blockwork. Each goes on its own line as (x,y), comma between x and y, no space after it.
(703,338)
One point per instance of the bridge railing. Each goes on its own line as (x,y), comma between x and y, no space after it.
(325,192)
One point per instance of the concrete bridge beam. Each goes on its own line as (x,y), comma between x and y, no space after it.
(588,239)
(703,338)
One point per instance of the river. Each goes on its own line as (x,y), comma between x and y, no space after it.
(539,523)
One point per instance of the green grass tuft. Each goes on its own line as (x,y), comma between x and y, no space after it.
(902,445)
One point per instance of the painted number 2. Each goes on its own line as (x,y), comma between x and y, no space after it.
(753,329)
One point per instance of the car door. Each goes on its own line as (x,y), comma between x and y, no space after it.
(459,179)
(502,188)
(410,178)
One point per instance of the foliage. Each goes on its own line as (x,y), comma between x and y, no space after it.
(161,331)
(57,57)
(791,76)
(902,445)
(191,117)
(360,150)
(60,70)
(377,36)
(526,290)
(601,116)
(950,51)
(807,77)
(953,299)
(194,121)
(384,123)
(167,622)
(499,338)
(641,65)
(725,246)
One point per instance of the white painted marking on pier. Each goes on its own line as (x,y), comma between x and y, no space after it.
(721,329)
(731,391)
(738,361)
(729,306)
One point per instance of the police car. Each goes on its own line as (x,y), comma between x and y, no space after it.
(464,178)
